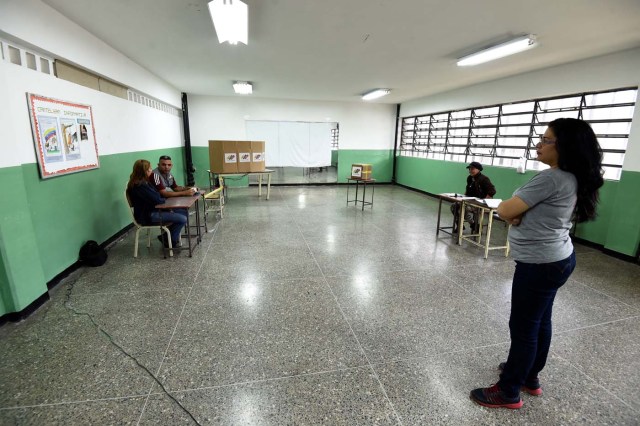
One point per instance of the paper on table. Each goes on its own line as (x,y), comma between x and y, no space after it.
(492,202)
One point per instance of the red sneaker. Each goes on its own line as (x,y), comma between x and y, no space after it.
(493,397)
(531,386)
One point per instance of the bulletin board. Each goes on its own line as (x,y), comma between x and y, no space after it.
(63,135)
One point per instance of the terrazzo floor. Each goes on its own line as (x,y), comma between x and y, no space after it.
(301,310)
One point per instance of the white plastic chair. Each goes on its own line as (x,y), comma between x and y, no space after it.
(139,227)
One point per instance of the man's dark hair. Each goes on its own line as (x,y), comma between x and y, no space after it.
(164,157)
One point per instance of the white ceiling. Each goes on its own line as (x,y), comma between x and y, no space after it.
(336,50)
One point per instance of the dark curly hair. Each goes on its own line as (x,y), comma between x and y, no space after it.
(580,154)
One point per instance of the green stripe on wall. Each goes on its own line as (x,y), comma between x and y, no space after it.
(617,226)
(21,277)
(58,215)
(382,161)
(624,216)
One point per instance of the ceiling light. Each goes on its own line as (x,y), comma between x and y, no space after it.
(510,47)
(243,87)
(230,19)
(375,94)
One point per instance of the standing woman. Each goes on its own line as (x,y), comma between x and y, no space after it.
(144,197)
(541,212)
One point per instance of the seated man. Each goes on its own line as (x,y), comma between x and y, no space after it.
(479,186)
(164,182)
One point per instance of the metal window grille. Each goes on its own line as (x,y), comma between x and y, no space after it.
(503,134)
(335,133)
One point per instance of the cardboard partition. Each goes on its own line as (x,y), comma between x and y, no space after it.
(257,156)
(223,156)
(244,156)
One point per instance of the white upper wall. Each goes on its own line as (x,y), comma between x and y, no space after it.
(620,69)
(38,24)
(120,125)
(362,125)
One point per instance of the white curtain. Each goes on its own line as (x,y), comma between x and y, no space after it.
(293,143)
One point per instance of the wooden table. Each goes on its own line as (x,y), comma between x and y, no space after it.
(186,203)
(267,172)
(473,238)
(476,238)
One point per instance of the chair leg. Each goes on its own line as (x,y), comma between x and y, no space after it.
(135,247)
(148,237)
(166,230)
(221,206)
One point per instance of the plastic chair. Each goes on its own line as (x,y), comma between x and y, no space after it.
(139,227)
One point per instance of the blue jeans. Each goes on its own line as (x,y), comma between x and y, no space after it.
(533,291)
(177,220)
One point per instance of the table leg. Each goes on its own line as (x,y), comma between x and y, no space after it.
(461,222)
(268,185)
(439,212)
(364,193)
(348,185)
(506,250)
(260,185)
(488,238)
(356,200)
(373,192)
(204,213)
(198,233)
(480,223)
(189,235)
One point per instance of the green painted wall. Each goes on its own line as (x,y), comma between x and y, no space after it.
(50,219)
(618,224)
(334,157)
(380,159)
(21,276)
(624,222)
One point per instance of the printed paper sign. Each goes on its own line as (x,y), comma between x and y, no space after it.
(63,135)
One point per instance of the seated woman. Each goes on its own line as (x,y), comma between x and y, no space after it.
(144,197)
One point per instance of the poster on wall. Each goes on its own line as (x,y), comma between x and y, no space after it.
(64,136)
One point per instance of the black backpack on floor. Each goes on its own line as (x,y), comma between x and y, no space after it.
(91,254)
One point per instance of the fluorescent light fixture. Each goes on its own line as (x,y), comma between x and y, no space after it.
(243,87)
(510,47)
(230,19)
(375,94)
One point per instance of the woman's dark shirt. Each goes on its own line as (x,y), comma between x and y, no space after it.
(144,198)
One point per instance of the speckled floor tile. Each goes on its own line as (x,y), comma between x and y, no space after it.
(607,353)
(142,323)
(275,318)
(576,305)
(250,260)
(65,359)
(435,390)
(347,397)
(251,331)
(609,275)
(402,315)
(124,411)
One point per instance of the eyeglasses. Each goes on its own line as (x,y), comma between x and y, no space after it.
(165,157)
(546,141)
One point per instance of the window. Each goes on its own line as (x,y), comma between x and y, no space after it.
(18,55)
(334,138)
(502,134)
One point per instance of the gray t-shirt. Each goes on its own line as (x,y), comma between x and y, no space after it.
(543,234)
